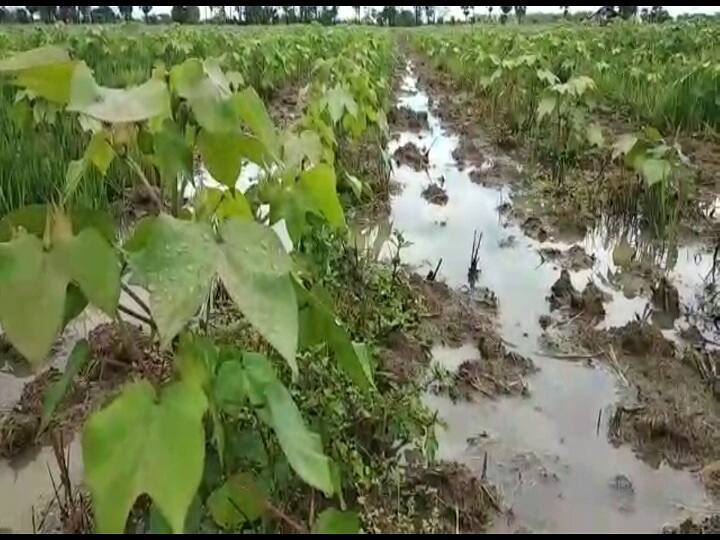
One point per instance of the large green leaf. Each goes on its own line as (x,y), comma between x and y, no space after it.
(238,500)
(92,264)
(301,446)
(230,388)
(333,521)
(42,56)
(99,152)
(318,325)
(255,269)
(52,82)
(222,155)
(340,100)
(595,135)
(148,100)
(139,444)
(55,393)
(546,106)
(252,112)
(655,170)
(306,145)
(624,144)
(32,218)
(33,285)
(319,189)
(175,260)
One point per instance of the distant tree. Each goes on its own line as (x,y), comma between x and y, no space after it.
(418,15)
(102,14)
(239,13)
(32,10)
(565,10)
(21,16)
(645,15)
(490,10)
(430,14)
(146,12)
(48,14)
(520,12)
(659,14)
(388,16)
(356,9)
(329,14)
(125,12)
(68,14)
(289,14)
(405,18)
(84,12)
(466,11)
(4,14)
(628,12)
(505,12)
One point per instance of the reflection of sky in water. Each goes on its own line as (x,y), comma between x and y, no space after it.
(557,423)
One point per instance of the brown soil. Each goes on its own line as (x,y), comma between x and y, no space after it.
(434,194)
(443,498)
(534,228)
(589,303)
(409,154)
(452,317)
(111,364)
(708,525)
(574,258)
(498,372)
(670,413)
(405,119)
(403,357)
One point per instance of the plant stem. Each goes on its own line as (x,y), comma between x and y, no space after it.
(138,316)
(139,301)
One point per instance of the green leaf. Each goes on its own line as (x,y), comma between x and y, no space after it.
(172,155)
(139,444)
(51,82)
(150,99)
(32,218)
(175,260)
(624,144)
(99,152)
(340,100)
(255,269)
(318,325)
(656,170)
(222,155)
(230,388)
(32,297)
(55,393)
(75,171)
(252,112)
(307,145)
(318,188)
(301,446)
(89,261)
(595,135)
(42,56)
(652,134)
(548,76)
(238,500)
(355,184)
(546,106)
(333,521)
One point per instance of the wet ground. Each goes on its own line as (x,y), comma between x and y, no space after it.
(548,452)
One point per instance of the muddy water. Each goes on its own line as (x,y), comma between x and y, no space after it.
(555,468)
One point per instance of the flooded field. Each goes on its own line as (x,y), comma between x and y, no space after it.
(548,452)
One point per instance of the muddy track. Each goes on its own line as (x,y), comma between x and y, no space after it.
(605,422)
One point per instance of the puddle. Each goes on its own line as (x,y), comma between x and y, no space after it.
(555,469)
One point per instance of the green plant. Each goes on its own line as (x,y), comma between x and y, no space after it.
(56,260)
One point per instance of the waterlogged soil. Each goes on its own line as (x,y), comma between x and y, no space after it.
(594,416)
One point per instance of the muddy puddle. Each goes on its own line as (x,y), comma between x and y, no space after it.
(548,452)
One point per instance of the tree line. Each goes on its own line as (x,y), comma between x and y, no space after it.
(387,16)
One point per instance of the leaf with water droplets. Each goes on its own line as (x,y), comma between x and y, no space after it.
(255,269)
(175,260)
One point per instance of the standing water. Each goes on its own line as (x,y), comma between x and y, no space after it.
(556,470)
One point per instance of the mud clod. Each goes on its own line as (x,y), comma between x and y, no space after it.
(434,194)
(534,228)
(544,321)
(404,118)
(708,525)
(409,154)
(666,298)
(640,338)
(574,258)
(403,357)
(563,293)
